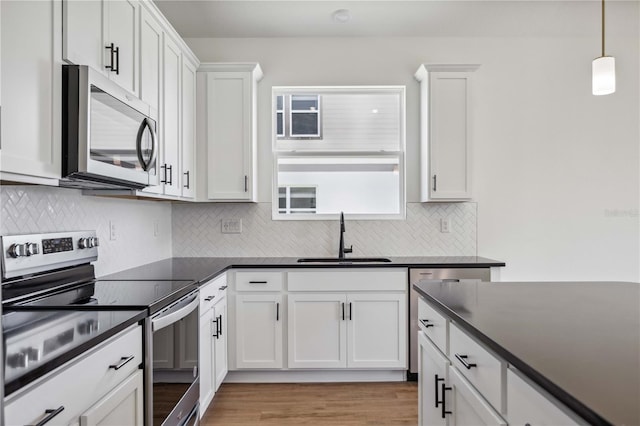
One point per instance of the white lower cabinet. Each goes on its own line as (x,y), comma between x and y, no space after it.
(89,390)
(526,405)
(259,331)
(122,406)
(334,330)
(220,342)
(434,368)
(465,404)
(317,330)
(213,339)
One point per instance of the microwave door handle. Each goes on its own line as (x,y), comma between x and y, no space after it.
(146,164)
(175,314)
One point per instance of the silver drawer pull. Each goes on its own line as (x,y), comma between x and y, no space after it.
(124,360)
(257,282)
(425,322)
(463,360)
(224,287)
(51,415)
(209,299)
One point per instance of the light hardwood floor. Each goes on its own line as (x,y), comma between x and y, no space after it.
(322,404)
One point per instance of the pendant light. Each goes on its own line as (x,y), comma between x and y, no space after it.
(603,70)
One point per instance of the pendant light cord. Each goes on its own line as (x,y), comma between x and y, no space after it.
(602,27)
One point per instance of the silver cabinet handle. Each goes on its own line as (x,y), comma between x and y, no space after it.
(124,360)
(51,415)
(187,176)
(209,298)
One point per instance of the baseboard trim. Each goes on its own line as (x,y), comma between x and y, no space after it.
(316,376)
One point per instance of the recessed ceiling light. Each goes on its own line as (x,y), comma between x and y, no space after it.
(341,16)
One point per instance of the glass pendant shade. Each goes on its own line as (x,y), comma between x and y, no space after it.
(604,75)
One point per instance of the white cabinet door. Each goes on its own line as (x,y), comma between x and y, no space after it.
(220,343)
(229,106)
(377,330)
(449,135)
(120,26)
(82,36)
(188,120)
(170,173)
(432,376)
(150,59)
(207,360)
(259,331)
(446,131)
(31,80)
(527,405)
(124,405)
(317,333)
(468,407)
(230,130)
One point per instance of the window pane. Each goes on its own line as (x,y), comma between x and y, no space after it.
(279,103)
(304,103)
(304,123)
(282,198)
(279,124)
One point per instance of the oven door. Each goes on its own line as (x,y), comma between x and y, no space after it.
(175,380)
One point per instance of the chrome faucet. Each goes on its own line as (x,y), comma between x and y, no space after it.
(342,250)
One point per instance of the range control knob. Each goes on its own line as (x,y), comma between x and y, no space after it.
(22,250)
(83,243)
(32,248)
(93,242)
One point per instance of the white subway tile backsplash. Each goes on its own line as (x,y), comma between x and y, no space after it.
(197,232)
(37,209)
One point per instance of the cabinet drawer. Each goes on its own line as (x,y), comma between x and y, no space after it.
(434,325)
(482,369)
(378,279)
(526,405)
(259,281)
(211,292)
(468,407)
(78,385)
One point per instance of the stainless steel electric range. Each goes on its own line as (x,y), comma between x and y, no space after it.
(54,309)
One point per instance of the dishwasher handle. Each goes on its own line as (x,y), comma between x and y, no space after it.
(175,313)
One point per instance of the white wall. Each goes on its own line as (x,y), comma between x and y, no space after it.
(556,169)
(39,209)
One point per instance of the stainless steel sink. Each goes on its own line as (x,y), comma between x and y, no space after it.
(344,260)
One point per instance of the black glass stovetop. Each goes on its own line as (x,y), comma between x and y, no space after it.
(151,295)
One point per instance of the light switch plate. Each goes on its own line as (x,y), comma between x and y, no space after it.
(231,226)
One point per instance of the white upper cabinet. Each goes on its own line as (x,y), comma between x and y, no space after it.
(230,135)
(31,80)
(445,132)
(170,168)
(103,35)
(150,59)
(188,120)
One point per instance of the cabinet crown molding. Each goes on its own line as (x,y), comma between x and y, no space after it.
(425,69)
(253,67)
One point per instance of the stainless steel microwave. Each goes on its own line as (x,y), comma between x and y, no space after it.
(108,135)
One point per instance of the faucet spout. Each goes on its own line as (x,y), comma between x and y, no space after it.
(341,249)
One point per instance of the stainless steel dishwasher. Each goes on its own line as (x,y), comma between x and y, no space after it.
(433,275)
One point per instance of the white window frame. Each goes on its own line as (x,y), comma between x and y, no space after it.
(280,111)
(288,207)
(400,155)
(291,112)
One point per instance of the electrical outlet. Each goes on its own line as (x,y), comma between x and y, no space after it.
(231,226)
(445,225)
(112,230)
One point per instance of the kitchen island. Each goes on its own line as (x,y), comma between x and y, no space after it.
(579,342)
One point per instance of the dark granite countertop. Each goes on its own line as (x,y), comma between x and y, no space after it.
(109,323)
(202,269)
(580,341)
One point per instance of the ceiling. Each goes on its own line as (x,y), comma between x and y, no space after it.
(384,18)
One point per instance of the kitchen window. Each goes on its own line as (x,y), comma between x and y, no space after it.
(339,149)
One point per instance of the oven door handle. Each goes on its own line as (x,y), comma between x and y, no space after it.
(176,313)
